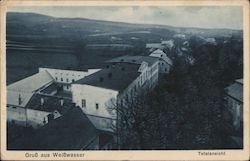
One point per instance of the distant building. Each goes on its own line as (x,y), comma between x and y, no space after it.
(166,44)
(165,62)
(235,102)
(154,46)
(35,100)
(169,44)
(211,41)
(64,78)
(180,36)
(123,77)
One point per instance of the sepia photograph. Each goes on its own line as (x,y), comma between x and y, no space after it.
(125,78)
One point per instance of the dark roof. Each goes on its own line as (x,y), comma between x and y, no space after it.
(51,103)
(239,81)
(236,90)
(134,59)
(50,88)
(116,77)
(73,131)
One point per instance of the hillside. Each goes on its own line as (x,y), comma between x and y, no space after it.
(35,40)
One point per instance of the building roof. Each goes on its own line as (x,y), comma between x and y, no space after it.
(52,87)
(239,81)
(154,45)
(235,90)
(16,98)
(169,43)
(116,77)
(51,103)
(160,53)
(134,59)
(32,83)
(72,131)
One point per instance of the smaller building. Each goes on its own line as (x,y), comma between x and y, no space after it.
(154,46)
(168,44)
(40,110)
(72,131)
(41,97)
(180,36)
(165,62)
(163,45)
(235,102)
(64,78)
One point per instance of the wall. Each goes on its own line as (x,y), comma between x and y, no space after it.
(146,80)
(16,114)
(164,67)
(93,95)
(67,76)
(237,115)
(35,118)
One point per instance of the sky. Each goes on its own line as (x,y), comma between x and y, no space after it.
(181,16)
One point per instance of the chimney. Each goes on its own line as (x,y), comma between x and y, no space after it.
(61,102)
(42,101)
(19,99)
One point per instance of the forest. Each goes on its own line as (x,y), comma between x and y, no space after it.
(187,109)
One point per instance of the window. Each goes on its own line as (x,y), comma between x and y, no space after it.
(97,106)
(83,103)
(56,78)
(73,80)
(62,79)
(67,87)
(67,80)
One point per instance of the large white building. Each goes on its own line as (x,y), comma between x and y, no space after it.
(66,77)
(98,93)
(35,100)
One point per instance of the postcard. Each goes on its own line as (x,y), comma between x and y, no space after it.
(124,80)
